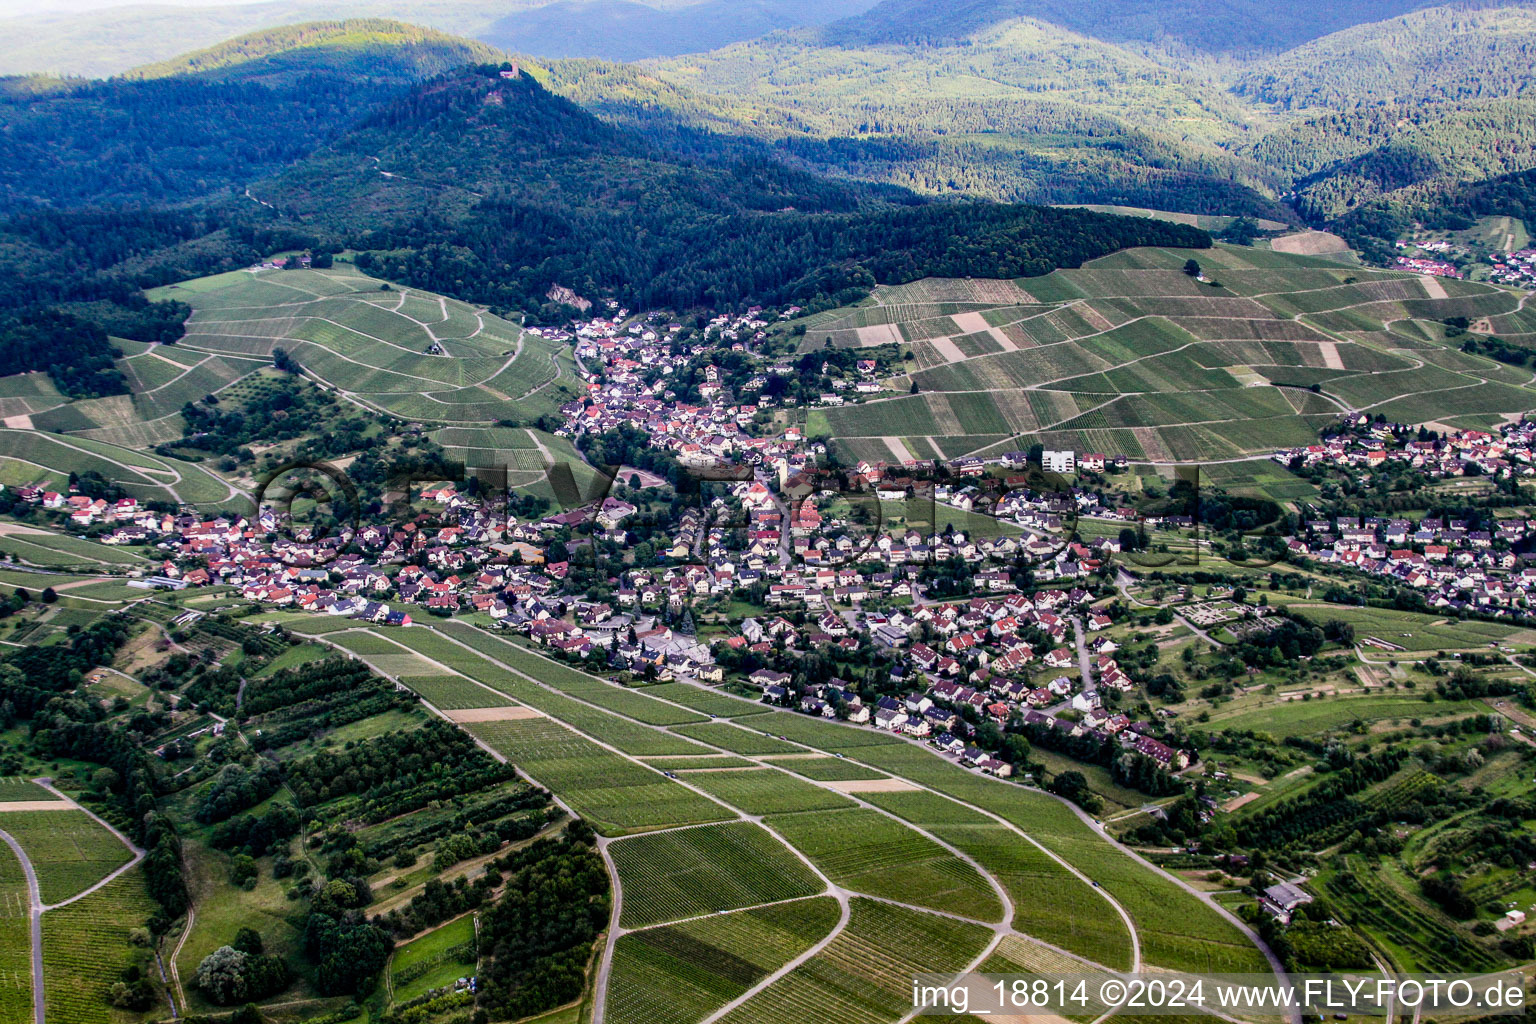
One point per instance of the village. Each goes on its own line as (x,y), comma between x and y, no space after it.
(976,632)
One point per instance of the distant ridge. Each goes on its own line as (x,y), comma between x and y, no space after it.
(377,48)
(1213,26)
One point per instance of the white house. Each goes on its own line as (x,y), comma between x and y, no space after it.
(1057,462)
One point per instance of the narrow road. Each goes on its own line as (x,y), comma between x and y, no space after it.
(35,901)
(1083,664)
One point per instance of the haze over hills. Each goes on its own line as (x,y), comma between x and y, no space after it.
(630,30)
(1212,26)
(110,41)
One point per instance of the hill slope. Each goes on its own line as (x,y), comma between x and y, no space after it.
(1020,110)
(495,189)
(366,49)
(1213,26)
(211,120)
(1444,54)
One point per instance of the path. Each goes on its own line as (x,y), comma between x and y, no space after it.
(1083,664)
(35,903)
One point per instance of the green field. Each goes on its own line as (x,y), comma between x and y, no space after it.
(631,737)
(739,741)
(683,873)
(1314,717)
(865,973)
(684,971)
(614,794)
(629,703)
(867,852)
(147,477)
(86,948)
(222,910)
(827,769)
(1412,631)
(14,787)
(52,549)
(15,941)
(705,701)
(68,850)
(1128,355)
(436,959)
(766,791)
(451,693)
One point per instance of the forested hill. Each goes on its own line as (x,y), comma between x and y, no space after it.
(631,30)
(362,49)
(1021,111)
(1455,54)
(210,122)
(479,183)
(1212,26)
(493,189)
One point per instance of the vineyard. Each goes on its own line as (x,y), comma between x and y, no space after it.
(766,791)
(86,949)
(865,974)
(453,693)
(615,795)
(677,973)
(1130,355)
(69,851)
(1417,939)
(867,852)
(15,787)
(15,940)
(668,876)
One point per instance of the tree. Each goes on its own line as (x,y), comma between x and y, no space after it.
(49,596)
(222,975)
(1192,268)
(137,995)
(1073,786)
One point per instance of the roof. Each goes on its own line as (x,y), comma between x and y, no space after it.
(1286,895)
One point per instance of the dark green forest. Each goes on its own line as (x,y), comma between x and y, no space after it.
(602,210)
